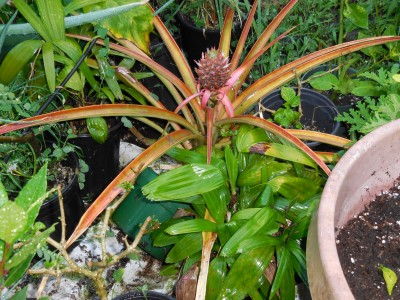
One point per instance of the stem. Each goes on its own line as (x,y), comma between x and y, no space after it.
(6,251)
(341,32)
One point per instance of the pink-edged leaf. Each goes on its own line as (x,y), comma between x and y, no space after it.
(128,174)
(227,105)
(225,39)
(205,98)
(279,131)
(104,110)
(322,137)
(186,101)
(284,74)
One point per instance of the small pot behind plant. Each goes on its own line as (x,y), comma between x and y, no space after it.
(196,40)
(73,206)
(319,112)
(150,295)
(102,159)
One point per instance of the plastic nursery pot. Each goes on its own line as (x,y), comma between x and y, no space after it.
(102,159)
(368,167)
(318,111)
(134,210)
(326,68)
(73,206)
(140,296)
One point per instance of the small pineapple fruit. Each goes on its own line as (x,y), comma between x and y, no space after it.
(213,70)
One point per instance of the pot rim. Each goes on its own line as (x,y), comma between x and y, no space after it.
(328,211)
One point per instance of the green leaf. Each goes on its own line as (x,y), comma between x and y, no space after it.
(98,129)
(294,188)
(34,20)
(49,67)
(26,251)
(52,16)
(217,272)
(20,295)
(186,181)
(32,195)
(187,246)
(390,278)
(290,97)
(217,201)
(245,273)
(284,277)
(134,25)
(13,220)
(191,226)
(3,195)
(232,166)
(248,136)
(356,14)
(118,274)
(325,82)
(259,241)
(260,222)
(17,272)
(289,153)
(17,58)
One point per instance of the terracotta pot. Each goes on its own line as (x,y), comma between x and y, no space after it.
(369,166)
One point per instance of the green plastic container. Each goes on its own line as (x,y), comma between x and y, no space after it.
(134,210)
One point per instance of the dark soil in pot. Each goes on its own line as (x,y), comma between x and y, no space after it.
(369,240)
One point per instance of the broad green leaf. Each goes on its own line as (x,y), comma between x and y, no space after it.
(217,201)
(356,14)
(118,274)
(216,274)
(3,195)
(325,82)
(134,25)
(248,136)
(76,5)
(390,278)
(76,82)
(294,188)
(187,246)
(245,273)
(256,174)
(161,238)
(188,156)
(52,16)
(31,197)
(266,197)
(284,277)
(49,67)
(112,82)
(299,261)
(289,153)
(191,226)
(260,222)
(26,251)
(245,214)
(17,58)
(232,166)
(186,181)
(259,241)
(20,295)
(98,129)
(17,272)
(13,219)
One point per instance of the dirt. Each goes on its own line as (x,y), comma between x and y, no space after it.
(369,240)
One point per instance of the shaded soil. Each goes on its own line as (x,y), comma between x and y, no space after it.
(369,240)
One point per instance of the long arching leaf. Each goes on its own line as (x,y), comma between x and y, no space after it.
(128,174)
(277,130)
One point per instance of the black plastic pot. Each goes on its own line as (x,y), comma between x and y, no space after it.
(330,94)
(318,111)
(102,159)
(140,296)
(73,206)
(196,40)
